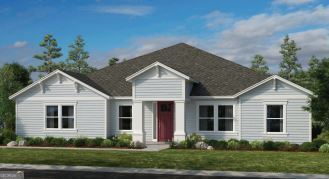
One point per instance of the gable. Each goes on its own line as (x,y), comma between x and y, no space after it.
(158,73)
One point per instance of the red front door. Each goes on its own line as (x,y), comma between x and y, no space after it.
(165,121)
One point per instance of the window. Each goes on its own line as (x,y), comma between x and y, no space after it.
(68,117)
(125,118)
(60,117)
(274,118)
(206,118)
(225,118)
(52,116)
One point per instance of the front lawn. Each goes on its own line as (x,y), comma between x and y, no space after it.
(297,162)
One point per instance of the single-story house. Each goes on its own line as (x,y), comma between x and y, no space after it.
(166,95)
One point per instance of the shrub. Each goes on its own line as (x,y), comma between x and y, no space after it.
(282,146)
(257,145)
(308,147)
(173,145)
(48,140)
(123,140)
(6,141)
(107,143)
(233,144)
(8,135)
(324,148)
(59,142)
(35,141)
(324,136)
(294,147)
(244,145)
(191,140)
(269,145)
(70,141)
(79,142)
(19,138)
(219,145)
(94,142)
(319,142)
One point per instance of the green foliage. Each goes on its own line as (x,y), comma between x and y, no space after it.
(324,136)
(48,140)
(35,141)
(13,77)
(80,142)
(123,140)
(58,142)
(107,143)
(113,61)
(308,147)
(319,142)
(269,145)
(19,138)
(94,142)
(218,145)
(324,148)
(70,141)
(233,144)
(289,65)
(282,146)
(8,135)
(257,145)
(191,140)
(259,64)
(244,145)
(77,58)
(51,52)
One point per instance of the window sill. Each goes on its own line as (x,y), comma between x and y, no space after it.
(60,130)
(276,133)
(219,132)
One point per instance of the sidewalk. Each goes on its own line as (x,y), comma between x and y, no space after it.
(161,171)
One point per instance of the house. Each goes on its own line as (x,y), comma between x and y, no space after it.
(166,95)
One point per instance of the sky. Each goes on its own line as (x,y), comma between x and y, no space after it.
(235,29)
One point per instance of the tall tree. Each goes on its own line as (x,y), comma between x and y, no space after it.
(319,104)
(51,52)
(113,61)
(77,58)
(259,64)
(289,65)
(13,77)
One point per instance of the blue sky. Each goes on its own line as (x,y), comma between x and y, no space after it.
(235,30)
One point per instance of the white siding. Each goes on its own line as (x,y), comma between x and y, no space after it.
(298,126)
(148,120)
(90,114)
(114,116)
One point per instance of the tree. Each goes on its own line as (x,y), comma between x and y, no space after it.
(259,64)
(13,77)
(113,61)
(77,58)
(319,104)
(51,52)
(289,65)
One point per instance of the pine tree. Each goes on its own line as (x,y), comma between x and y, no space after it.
(113,61)
(259,64)
(51,52)
(289,65)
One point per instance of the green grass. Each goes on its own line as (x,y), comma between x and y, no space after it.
(297,162)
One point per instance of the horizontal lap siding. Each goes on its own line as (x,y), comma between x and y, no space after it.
(298,128)
(114,116)
(148,120)
(159,88)
(90,114)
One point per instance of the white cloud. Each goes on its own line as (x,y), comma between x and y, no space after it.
(291,2)
(124,10)
(20,44)
(217,18)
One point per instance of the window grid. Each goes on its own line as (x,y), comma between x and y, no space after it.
(59,116)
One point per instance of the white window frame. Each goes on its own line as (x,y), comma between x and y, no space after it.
(200,118)
(118,117)
(223,118)
(284,116)
(215,104)
(59,106)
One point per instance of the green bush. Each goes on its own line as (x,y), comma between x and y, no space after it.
(324,148)
(70,141)
(1,139)
(257,145)
(107,143)
(95,142)
(294,147)
(319,142)
(324,136)
(19,138)
(244,145)
(123,140)
(182,144)
(80,142)
(6,141)
(58,142)
(218,145)
(233,144)
(8,135)
(282,146)
(48,140)
(35,141)
(308,147)
(269,145)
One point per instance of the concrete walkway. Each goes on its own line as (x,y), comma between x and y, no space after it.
(162,171)
(149,148)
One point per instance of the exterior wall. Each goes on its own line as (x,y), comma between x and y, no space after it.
(298,126)
(192,119)
(148,120)
(114,116)
(90,110)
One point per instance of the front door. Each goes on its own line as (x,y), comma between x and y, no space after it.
(165,121)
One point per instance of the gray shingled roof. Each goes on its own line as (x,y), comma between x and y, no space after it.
(216,76)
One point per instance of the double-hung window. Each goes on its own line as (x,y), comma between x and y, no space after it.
(206,118)
(225,118)
(60,117)
(125,118)
(274,118)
